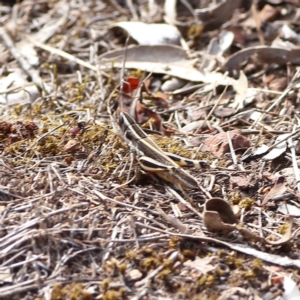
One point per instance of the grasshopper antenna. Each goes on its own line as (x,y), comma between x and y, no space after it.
(123,66)
(114,116)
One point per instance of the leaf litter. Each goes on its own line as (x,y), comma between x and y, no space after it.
(80,219)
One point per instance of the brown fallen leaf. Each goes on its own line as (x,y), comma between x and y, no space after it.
(143,114)
(218,144)
(265,54)
(240,181)
(278,189)
(286,237)
(218,215)
(215,15)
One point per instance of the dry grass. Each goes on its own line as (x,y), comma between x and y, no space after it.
(79,219)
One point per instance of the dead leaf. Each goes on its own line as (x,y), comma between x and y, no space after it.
(289,209)
(215,15)
(240,181)
(218,215)
(265,54)
(218,144)
(289,34)
(286,237)
(151,34)
(163,59)
(278,189)
(291,290)
(241,88)
(216,48)
(279,149)
(203,265)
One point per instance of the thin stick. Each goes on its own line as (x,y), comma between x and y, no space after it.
(294,159)
(212,110)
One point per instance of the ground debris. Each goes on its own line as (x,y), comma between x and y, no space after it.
(80,218)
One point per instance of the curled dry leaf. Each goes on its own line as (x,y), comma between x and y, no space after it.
(288,34)
(151,34)
(265,54)
(182,14)
(170,11)
(241,88)
(253,152)
(286,237)
(218,215)
(216,15)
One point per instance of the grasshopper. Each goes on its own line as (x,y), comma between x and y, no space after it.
(152,159)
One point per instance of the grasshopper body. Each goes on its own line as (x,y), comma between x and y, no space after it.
(153,159)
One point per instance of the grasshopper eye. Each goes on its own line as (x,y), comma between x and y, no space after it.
(204,164)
